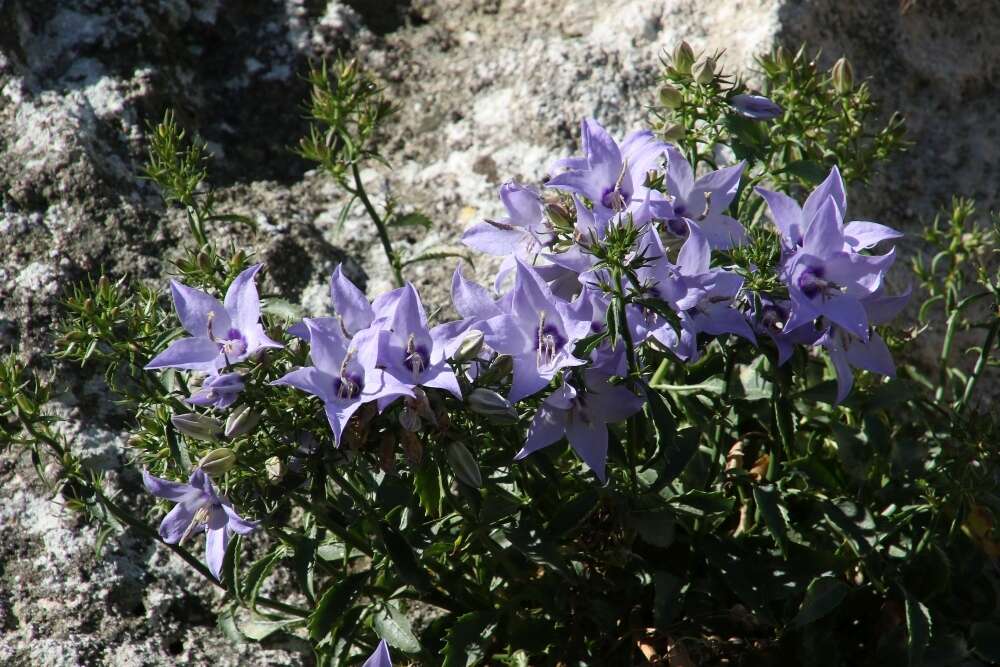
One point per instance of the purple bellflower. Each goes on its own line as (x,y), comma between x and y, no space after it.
(524,233)
(703,201)
(539,332)
(352,312)
(825,280)
(343,375)
(199,508)
(413,354)
(756,107)
(380,658)
(582,417)
(218,391)
(848,351)
(222,334)
(609,175)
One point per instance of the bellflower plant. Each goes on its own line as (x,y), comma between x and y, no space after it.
(760,450)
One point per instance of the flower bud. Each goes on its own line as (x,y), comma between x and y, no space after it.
(704,72)
(683,58)
(670,96)
(409,419)
(469,348)
(218,461)
(465,467)
(782,57)
(24,405)
(275,469)
(199,427)
(843,76)
(501,366)
(204,261)
(490,404)
(241,421)
(673,132)
(558,214)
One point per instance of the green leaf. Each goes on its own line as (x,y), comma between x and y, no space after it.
(230,565)
(467,631)
(677,458)
(430,489)
(258,628)
(227,623)
(809,171)
(331,605)
(394,627)
(755,386)
(573,513)
(411,220)
(766,497)
(178,450)
(918,630)
(405,560)
(701,504)
(256,576)
(712,387)
(666,590)
(823,596)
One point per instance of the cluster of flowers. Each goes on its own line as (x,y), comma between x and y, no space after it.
(381,351)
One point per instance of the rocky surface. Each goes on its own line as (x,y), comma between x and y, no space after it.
(488,90)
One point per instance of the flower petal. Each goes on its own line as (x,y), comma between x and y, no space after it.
(194,307)
(216,541)
(547,427)
(242,302)
(196,354)
(162,488)
(177,521)
(349,302)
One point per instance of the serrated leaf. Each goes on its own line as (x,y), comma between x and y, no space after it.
(711,387)
(230,565)
(766,497)
(227,623)
(404,558)
(332,604)
(755,386)
(823,595)
(808,170)
(414,219)
(256,576)
(394,627)
(918,630)
(701,504)
(258,628)
(467,631)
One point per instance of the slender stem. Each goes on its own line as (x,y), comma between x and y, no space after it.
(984,354)
(383,232)
(945,353)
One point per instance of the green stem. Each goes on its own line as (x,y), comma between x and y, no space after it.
(984,354)
(383,232)
(945,353)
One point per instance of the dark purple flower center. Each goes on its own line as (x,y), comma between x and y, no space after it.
(773,318)
(678,225)
(812,283)
(616,198)
(550,342)
(416,357)
(348,386)
(233,345)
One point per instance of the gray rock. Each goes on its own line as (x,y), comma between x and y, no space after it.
(488,91)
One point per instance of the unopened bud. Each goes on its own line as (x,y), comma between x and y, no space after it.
(465,467)
(204,261)
(409,419)
(704,72)
(558,214)
(782,57)
(683,58)
(670,96)
(241,421)
(218,461)
(490,404)
(469,348)
(275,469)
(199,427)
(843,76)
(673,132)
(501,367)
(88,305)
(24,405)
